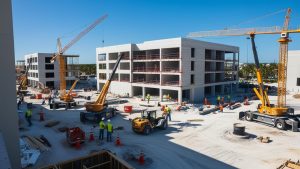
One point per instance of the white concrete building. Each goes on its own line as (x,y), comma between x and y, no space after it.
(184,69)
(47,73)
(293,71)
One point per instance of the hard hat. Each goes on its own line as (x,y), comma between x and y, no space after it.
(103,118)
(108,120)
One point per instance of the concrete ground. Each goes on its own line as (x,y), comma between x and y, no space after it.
(206,142)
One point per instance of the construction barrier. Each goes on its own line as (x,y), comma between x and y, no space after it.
(128,109)
(38,96)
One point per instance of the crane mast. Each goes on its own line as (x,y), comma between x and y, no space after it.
(283,48)
(283,59)
(61,59)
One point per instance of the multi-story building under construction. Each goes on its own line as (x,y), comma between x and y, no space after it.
(181,69)
(43,72)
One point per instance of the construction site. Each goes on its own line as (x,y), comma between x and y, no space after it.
(167,103)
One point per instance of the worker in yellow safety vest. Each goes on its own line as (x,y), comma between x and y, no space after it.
(101,129)
(109,130)
(148,98)
(168,112)
(28,115)
(218,100)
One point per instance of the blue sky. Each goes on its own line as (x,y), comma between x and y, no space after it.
(37,23)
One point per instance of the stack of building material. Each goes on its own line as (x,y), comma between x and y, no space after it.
(29,156)
(36,143)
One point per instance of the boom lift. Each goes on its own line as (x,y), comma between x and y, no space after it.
(95,111)
(66,98)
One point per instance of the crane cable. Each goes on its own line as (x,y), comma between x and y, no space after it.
(260,17)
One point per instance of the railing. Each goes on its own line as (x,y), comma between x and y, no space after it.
(138,80)
(155,81)
(124,80)
(175,70)
(144,69)
(170,55)
(146,57)
(171,83)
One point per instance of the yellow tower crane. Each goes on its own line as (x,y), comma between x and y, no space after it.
(279,115)
(67,97)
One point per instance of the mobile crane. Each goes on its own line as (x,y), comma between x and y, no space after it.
(97,110)
(277,116)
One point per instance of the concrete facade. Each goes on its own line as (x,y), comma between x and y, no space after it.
(184,69)
(47,73)
(9,116)
(293,71)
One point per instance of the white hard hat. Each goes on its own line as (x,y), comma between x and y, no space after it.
(108,120)
(103,118)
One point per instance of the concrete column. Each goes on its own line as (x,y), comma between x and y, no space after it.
(144,93)
(179,95)
(160,95)
(9,116)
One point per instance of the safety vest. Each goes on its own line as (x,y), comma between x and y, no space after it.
(218,97)
(148,96)
(102,125)
(28,113)
(109,127)
(167,110)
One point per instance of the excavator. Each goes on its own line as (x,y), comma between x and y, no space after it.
(23,82)
(281,117)
(97,110)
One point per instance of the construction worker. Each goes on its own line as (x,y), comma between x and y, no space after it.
(218,100)
(28,115)
(101,128)
(222,100)
(109,130)
(168,112)
(148,98)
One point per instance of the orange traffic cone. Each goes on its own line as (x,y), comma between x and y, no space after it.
(141,158)
(118,141)
(42,118)
(92,138)
(77,144)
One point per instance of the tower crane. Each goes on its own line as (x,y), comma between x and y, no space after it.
(67,97)
(279,115)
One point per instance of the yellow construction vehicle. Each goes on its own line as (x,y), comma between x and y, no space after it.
(97,110)
(23,80)
(66,99)
(148,122)
(276,115)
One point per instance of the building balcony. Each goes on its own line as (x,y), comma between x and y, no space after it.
(171,56)
(144,69)
(146,57)
(171,70)
(171,83)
